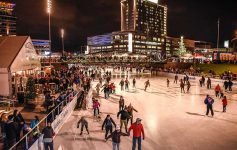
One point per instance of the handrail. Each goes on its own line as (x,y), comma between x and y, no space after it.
(45,118)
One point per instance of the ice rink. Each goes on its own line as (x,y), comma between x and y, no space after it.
(172,121)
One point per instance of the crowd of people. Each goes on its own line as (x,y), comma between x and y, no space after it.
(68,81)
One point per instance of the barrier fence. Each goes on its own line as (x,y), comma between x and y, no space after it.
(32,139)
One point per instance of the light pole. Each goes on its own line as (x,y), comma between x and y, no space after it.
(62,36)
(218,33)
(49,7)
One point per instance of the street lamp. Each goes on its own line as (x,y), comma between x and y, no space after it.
(49,7)
(62,36)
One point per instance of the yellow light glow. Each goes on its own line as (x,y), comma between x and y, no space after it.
(154,1)
(62,33)
(130,42)
(49,6)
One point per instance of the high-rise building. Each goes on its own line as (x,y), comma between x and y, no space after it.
(7,19)
(144,16)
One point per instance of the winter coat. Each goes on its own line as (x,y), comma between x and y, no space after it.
(123,115)
(11,129)
(116,136)
(224,102)
(108,123)
(96,105)
(137,130)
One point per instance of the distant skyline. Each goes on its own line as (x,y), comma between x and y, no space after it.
(196,19)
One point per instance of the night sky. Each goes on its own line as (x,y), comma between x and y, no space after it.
(195,19)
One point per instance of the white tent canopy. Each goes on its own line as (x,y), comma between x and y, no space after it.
(17,53)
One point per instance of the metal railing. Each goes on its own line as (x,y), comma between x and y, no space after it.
(33,135)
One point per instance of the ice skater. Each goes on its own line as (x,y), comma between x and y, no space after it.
(188,86)
(182,86)
(127,84)
(108,124)
(138,134)
(168,82)
(84,123)
(176,79)
(217,90)
(147,83)
(130,112)
(121,103)
(116,138)
(122,85)
(224,103)
(123,118)
(209,102)
(134,83)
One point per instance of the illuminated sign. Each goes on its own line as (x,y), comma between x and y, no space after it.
(226,44)
(130,42)
(154,1)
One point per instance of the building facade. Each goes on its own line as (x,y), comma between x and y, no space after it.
(42,47)
(7,19)
(126,42)
(144,16)
(143,30)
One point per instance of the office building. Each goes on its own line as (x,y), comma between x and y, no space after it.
(7,19)
(144,16)
(143,30)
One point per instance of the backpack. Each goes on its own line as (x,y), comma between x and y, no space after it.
(109,122)
(205,101)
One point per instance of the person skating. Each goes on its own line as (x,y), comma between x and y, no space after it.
(122,85)
(147,83)
(96,106)
(98,89)
(116,138)
(168,82)
(134,83)
(230,83)
(106,91)
(209,102)
(84,123)
(182,86)
(176,79)
(48,133)
(217,90)
(121,103)
(224,103)
(130,112)
(138,134)
(188,86)
(208,83)
(108,124)
(226,85)
(123,118)
(127,84)
(203,80)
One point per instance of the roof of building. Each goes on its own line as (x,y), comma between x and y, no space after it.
(10,46)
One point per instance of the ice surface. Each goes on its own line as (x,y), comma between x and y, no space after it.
(172,121)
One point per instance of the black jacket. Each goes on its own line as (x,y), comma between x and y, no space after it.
(123,115)
(48,132)
(11,130)
(116,136)
(106,123)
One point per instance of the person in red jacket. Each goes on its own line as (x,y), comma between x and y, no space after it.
(224,102)
(138,132)
(217,90)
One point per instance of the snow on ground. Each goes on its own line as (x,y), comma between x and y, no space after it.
(172,121)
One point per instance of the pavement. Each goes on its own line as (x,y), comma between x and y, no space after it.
(172,121)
